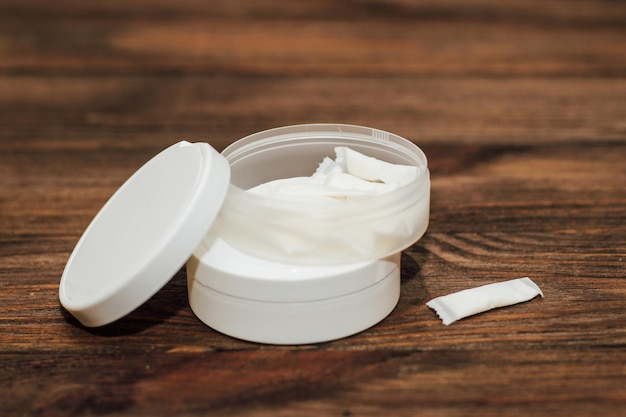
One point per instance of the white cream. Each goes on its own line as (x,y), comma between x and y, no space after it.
(372,169)
(350,174)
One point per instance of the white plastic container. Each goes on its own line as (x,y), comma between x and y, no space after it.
(259,268)
(299,271)
(263,301)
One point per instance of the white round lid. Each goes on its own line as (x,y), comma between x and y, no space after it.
(144,234)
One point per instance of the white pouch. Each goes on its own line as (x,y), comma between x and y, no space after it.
(458,305)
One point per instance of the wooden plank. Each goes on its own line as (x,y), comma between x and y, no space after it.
(520,107)
(313,382)
(394,39)
(153,112)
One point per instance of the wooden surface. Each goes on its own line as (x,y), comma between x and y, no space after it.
(520,107)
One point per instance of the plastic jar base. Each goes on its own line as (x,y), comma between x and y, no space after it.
(294,323)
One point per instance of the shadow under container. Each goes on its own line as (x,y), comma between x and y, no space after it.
(294,271)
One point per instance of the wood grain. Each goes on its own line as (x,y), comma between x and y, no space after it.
(154,112)
(396,38)
(519,106)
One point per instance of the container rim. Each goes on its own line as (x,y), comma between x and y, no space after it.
(317,131)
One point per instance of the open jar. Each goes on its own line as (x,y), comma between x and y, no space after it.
(262,269)
(321,231)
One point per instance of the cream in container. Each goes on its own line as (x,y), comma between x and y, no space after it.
(263,268)
(322,231)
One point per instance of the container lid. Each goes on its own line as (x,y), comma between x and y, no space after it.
(144,234)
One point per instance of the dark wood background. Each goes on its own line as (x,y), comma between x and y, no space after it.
(519,105)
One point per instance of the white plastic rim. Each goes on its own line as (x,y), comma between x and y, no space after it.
(325,231)
(224,269)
